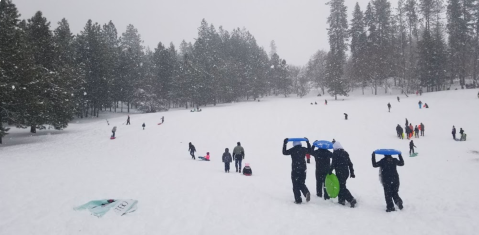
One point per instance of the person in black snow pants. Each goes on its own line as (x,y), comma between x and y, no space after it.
(408,131)
(411,147)
(407,122)
(390,179)
(227,159)
(143,126)
(298,169)
(162,119)
(461,131)
(399,131)
(326,102)
(389,107)
(454,132)
(422,129)
(344,168)
(345,116)
(192,150)
(128,120)
(322,158)
(416,132)
(113,131)
(399,99)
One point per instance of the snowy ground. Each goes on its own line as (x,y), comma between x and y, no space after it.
(43,177)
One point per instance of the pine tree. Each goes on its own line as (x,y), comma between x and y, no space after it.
(358,47)
(338,36)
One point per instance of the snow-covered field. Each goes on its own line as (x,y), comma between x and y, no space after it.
(43,177)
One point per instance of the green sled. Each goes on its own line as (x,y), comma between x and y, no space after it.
(332,185)
(413,155)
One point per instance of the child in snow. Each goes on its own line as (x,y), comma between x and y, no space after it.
(162,119)
(390,179)
(420,104)
(192,150)
(462,134)
(247,170)
(398,99)
(343,167)
(411,128)
(389,107)
(411,147)
(416,132)
(454,132)
(128,120)
(113,131)
(227,159)
(326,102)
(345,116)
(421,128)
(426,106)
(205,158)
(143,126)
(298,169)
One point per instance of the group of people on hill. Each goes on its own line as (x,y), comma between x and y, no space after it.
(113,131)
(227,158)
(411,131)
(461,132)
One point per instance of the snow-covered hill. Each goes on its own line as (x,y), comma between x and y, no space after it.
(43,177)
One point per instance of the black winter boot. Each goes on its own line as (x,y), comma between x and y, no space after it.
(353,203)
(390,209)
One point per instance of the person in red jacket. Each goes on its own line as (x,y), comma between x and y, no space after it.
(205,158)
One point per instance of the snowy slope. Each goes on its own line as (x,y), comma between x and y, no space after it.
(43,177)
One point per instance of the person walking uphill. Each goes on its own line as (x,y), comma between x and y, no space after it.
(411,147)
(298,169)
(344,168)
(454,132)
(128,120)
(192,150)
(227,159)
(390,179)
(322,158)
(389,107)
(113,131)
(238,155)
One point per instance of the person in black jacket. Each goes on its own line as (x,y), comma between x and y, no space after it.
(408,131)
(398,131)
(298,169)
(322,158)
(192,150)
(390,179)
(461,131)
(389,107)
(416,132)
(454,132)
(343,167)
(411,147)
(422,129)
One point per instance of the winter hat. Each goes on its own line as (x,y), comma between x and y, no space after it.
(207,153)
(247,164)
(337,146)
(296,143)
(226,150)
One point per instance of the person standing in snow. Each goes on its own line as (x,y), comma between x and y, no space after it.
(411,147)
(128,120)
(420,104)
(322,158)
(408,131)
(113,131)
(345,116)
(298,169)
(422,129)
(326,102)
(461,131)
(344,169)
(407,122)
(192,150)
(399,99)
(143,126)
(390,179)
(238,155)
(227,159)
(399,131)
(412,130)
(162,119)
(454,132)
(416,132)
(389,107)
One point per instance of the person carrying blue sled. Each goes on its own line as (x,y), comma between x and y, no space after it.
(390,179)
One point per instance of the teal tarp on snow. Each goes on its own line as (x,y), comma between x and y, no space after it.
(99,208)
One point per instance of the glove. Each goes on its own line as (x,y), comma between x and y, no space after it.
(285,141)
(353,176)
(307,140)
(307,160)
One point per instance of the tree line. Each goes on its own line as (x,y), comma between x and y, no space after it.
(48,77)
(419,44)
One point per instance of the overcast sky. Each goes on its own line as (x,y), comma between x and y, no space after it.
(297,26)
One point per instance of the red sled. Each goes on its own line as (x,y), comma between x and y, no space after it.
(248,174)
(159,123)
(112,138)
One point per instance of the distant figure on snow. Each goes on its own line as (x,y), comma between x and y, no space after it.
(426,106)
(454,132)
(461,131)
(326,102)
(128,120)
(421,128)
(390,179)
(389,107)
(345,116)
(162,119)
(416,132)
(412,130)
(411,147)
(343,167)
(399,131)
(143,126)
(205,158)
(407,122)
(238,155)
(192,150)
(420,104)
(227,159)
(298,169)
(399,100)
(247,170)
(315,103)
(113,131)
(408,131)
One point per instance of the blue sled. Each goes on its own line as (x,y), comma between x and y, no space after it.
(296,139)
(387,152)
(323,144)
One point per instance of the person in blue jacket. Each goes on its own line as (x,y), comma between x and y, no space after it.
(390,179)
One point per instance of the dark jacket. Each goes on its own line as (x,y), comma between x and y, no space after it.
(461,131)
(192,148)
(416,129)
(408,130)
(388,167)
(247,170)
(422,127)
(453,131)
(341,163)
(298,156)
(227,157)
(411,145)
(389,105)
(399,129)
(322,158)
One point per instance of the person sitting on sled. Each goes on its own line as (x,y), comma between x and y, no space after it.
(247,170)
(205,158)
